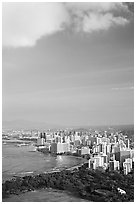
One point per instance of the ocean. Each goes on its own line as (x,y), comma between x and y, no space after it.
(20,161)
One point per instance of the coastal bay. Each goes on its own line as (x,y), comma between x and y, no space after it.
(20,161)
(83,183)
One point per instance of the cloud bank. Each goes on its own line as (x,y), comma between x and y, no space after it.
(25,23)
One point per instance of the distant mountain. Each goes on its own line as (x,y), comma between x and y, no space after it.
(104,127)
(24,124)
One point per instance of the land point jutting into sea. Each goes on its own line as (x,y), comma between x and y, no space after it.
(104,174)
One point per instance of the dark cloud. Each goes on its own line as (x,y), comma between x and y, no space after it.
(130,6)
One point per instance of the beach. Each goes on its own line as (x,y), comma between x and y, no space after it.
(19,161)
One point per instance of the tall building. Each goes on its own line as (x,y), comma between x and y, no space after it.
(124,154)
(129,161)
(40,141)
(58,139)
(98,161)
(85,150)
(127,143)
(60,147)
(99,140)
(90,163)
(113,165)
(92,139)
(105,159)
(104,149)
(108,148)
(94,149)
(49,138)
(44,136)
(77,136)
(117,156)
(77,142)
(88,142)
(132,153)
(126,167)
(100,147)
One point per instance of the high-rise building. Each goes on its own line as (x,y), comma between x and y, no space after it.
(121,155)
(94,149)
(44,136)
(132,153)
(127,143)
(124,154)
(108,148)
(77,136)
(49,138)
(60,147)
(113,165)
(128,160)
(104,149)
(40,134)
(126,167)
(85,150)
(58,139)
(88,142)
(104,158)
(77,142)
(92,139)
(99,139)
(90,163)
(98,161)
(40,141)
(100,147)
(117,155)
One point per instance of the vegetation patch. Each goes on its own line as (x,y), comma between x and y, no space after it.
(93,185)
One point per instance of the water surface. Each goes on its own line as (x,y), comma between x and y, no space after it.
(20,161)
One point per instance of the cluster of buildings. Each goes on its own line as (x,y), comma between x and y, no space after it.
(112,152)
(20,134)
(108,151)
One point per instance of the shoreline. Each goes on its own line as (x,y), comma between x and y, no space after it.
(22,174)
(56,169)
(15,178)
(92,185)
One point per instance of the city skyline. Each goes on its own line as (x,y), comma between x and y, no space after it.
(68,63)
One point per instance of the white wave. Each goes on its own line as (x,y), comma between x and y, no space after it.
(27,172)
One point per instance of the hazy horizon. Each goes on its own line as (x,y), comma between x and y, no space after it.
(24,124)
(68,64)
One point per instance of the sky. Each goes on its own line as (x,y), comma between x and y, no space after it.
(70,64)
